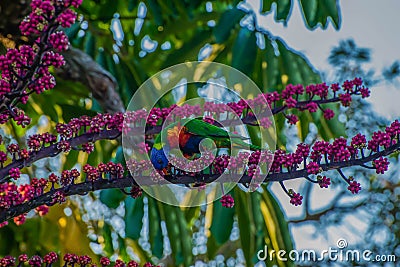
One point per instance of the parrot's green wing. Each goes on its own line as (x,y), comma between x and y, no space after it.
(204,129)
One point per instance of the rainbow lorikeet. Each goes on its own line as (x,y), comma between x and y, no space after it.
(189,137)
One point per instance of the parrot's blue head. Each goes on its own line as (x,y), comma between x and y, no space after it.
(158,158)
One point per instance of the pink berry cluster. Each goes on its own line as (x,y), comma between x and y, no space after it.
(244,162)
(192,166)
(311,98)
(323,181)
(69,259)
(25,69)
(66,134)
(46,13)
(13,195)
(136,191)
(338,151)
(108,170)
(324,154)
(296,97)
(162,113)
(354,187)
(295,198)
(220,163)
(86,124)
(137,167)
(312,160)
(227,201)
(381,165)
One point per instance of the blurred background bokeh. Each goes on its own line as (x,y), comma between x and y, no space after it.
(118,44)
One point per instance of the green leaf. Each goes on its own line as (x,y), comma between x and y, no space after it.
(155,11)
(132,4)
(186,238)
(310,8)
(332,128)
(212,247)
(48,110)
(272,63)
(283,8)
(283,64)
(293,64)
(174,232)
(111,197)
(119,156)
(333,9)
(155,232)
(101,59)
(123,255)
(191,214)
(70,111)
(3,49)
(108,10)
(229,19)
(292,70)
(72,31)
(275,221)
(246,225)
(72,159)
(222,223)
(395,155)
(258,223)
(266,5)
(130,84)
(108,247)
(32,236)
(316,12)
(90,44)
(244,51)
(189,50)
(8,235)
(134,212)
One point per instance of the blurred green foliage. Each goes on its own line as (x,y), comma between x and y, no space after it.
(115,34)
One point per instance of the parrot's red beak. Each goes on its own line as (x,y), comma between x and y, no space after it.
(165,171)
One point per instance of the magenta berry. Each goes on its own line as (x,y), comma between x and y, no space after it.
(104,261)
(296,199)
(227,201)
(14,173)
(381,165)
(313,168)
(323,181)
(50,257)
(354,187)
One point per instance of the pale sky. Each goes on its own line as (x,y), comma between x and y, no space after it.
(372,24)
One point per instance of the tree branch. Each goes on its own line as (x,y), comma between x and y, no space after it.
(80,67)
(128,181)
(52,150)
